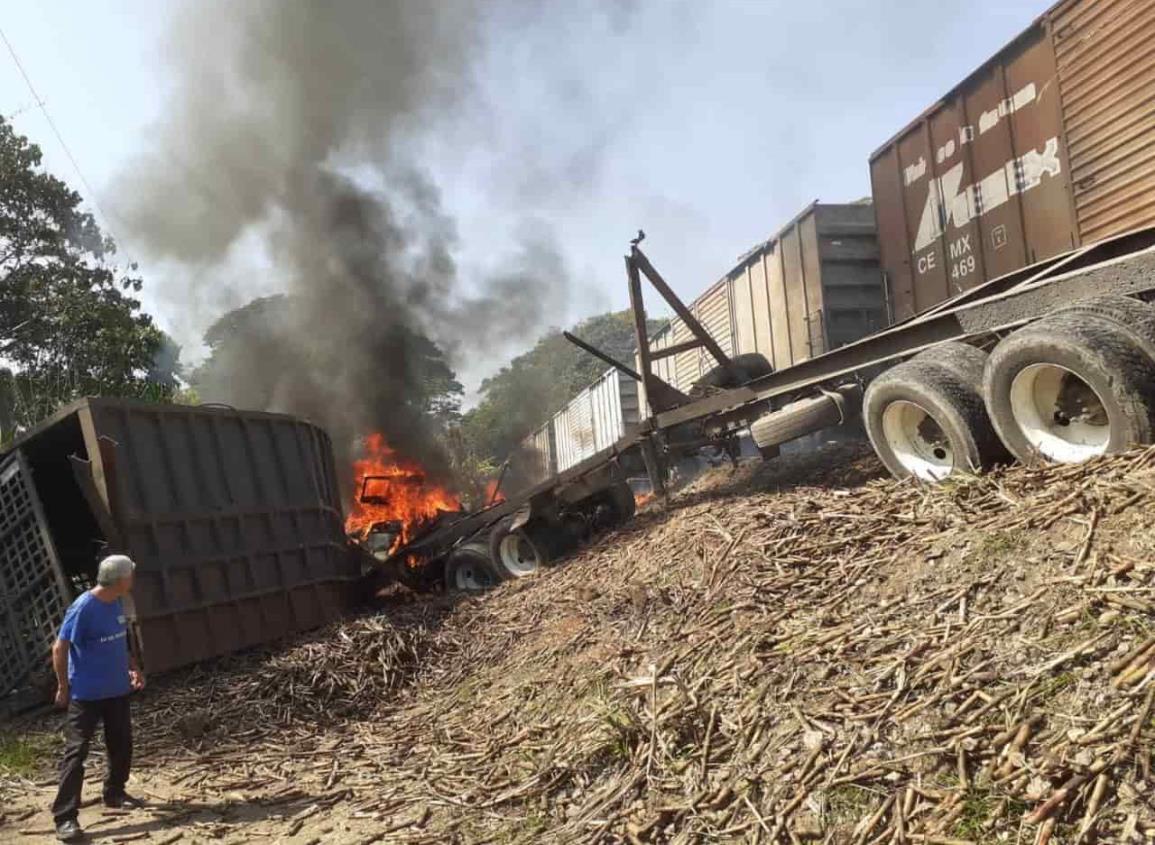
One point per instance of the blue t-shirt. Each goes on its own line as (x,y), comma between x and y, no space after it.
(97,638)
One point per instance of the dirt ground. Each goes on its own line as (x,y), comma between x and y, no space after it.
(796,651)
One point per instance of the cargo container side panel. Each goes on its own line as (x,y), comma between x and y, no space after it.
(601,410)
(742,307)
(607,410)
(995,180)
(926,208)
(1042,166)
(561,439)
(953,169)
(894,244)
(713,312)
(853,249)
(574,431)
(1106,65)
(583,427)
(323,447)
(551,438)
(779,307)
(533,458)
(760,308)
(686,365)
(629,392)
(794,284)
(854,301)
(852,297)
(276,491)
(665,367)
(812,279)
(543,448)
(661,366)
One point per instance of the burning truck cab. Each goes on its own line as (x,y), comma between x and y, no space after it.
(417,533)
(393,502)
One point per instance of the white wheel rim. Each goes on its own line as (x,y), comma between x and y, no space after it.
(471,578)
(917,441)
(517,554)
(1061,416)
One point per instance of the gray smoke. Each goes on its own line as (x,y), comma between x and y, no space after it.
(298,126)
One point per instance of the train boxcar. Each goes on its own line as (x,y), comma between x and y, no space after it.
(1049,146)
(595,419)
(812,287)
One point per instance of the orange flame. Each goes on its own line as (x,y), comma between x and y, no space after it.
(396,492)
(490,490)
(642,499)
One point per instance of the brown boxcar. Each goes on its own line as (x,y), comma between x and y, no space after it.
(812,287)
(233,518)
(1048,146)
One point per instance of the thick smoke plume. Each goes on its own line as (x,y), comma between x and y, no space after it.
(298,126)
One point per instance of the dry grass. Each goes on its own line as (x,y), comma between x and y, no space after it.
(832,659)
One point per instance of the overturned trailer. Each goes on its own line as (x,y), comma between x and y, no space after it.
(233,518)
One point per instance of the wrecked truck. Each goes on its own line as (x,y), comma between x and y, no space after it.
(470,551)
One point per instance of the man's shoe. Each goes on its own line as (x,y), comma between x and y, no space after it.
(69,831)
(123,802)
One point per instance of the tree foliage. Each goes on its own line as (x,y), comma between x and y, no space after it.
(70,325)
(537,384)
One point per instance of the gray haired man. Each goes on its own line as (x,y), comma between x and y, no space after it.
(95,674)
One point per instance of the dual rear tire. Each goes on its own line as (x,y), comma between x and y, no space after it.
(509,553)
(1076,384)
(926,417)
(1070,386)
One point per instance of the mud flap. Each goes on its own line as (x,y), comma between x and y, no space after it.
(521,517)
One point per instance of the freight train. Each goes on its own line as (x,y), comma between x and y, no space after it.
(987,302)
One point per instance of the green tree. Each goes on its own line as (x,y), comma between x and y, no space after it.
(70,325)
(534,386)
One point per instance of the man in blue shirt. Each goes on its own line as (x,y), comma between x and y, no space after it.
(95,674)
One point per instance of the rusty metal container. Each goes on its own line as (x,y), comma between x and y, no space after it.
(233,518)
(1048,146)
(812,287)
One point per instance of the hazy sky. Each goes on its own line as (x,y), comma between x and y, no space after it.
(709,124)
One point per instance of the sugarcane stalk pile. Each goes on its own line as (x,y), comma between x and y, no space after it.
(834,657)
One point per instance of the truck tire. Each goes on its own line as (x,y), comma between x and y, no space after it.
(517,553)
(806,416)
(965,361)
(743,368)
(927,419)
(623,503)
(611,507)
(1134,317)
(468,569)
(1071,386)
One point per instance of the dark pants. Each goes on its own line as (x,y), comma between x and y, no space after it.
(83,717)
